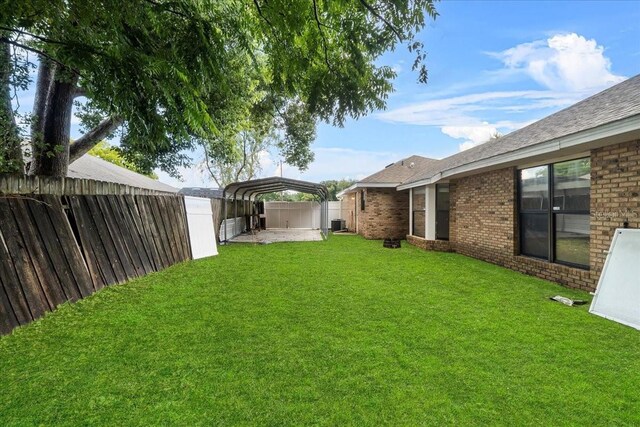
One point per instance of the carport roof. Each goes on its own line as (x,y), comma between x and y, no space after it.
(255,187)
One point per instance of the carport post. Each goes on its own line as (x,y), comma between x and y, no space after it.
(326,216)
(321,215)
(235,212)
(224,198)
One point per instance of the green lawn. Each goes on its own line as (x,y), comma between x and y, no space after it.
(330,333)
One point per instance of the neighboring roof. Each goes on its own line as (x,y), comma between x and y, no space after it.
(400,171)
(619,102)
(246,189)
(91,167)
(210,193)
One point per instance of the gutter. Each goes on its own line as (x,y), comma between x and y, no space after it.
(357,185)
(575,140)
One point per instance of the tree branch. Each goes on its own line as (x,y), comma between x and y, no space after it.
(34,50)
(383,19)
(79,91)
(167,8)
(208,164)
(324,38)
(87,141)
(35,36)
(80,46)
(261,15)
(244,158)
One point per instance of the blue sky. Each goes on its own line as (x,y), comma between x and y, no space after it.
(493,66)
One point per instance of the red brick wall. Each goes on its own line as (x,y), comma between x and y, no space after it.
(430,245)
(485,214)
(615,196)
(483,217)
(386,214)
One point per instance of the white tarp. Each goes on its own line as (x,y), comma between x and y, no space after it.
(335,211)
(298,214)
(231,227)
(201,232)
(292,214)
(617,296)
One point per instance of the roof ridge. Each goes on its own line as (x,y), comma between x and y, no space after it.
(618,102)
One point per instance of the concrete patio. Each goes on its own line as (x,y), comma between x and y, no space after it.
(275,235)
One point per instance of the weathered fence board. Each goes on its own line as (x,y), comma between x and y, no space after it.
(21,184)
(143,231)
(153,231)
(55,232)
(57,248)
(93,252)
(19,257)
(34,248)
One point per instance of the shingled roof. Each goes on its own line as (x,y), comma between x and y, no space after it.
(616,103)
(400,171)
(90,167)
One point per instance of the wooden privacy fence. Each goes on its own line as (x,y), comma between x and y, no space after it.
(57,248)
(20,184)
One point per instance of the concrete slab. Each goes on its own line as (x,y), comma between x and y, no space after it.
(274,235)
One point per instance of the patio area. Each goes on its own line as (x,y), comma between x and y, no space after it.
(277,235)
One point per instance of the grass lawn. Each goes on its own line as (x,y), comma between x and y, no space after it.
(331,333)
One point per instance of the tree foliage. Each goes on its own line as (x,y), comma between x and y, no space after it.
(169,76)
(113,155)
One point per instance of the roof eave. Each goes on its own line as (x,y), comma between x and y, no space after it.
(598,136)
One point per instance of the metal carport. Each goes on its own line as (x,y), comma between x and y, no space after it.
(249,190)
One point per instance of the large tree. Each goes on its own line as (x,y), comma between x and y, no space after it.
(172,75)
(111,154)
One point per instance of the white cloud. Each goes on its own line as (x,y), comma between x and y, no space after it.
(338,163)
(329,163)
(190,177)
(463,110)
(568,66)
(563,62)
(473,135)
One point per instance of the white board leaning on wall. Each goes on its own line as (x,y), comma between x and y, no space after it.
(617,296)
(201,231)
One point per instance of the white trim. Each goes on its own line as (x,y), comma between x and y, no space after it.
(430,212)
(410,212)
(377,184)
(357,185)
(346,191)
(552,160)
(596,137)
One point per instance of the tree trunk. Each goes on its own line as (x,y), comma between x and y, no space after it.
(46,71)
(11,160)
(51,157)
(87,141)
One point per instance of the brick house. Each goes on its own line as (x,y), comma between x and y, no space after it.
(374,208)
(544,200)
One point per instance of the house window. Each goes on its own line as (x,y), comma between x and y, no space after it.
(419,208)
(554,212)
(362,200)
(442,211)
